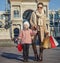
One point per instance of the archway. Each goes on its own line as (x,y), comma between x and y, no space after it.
(27,15)
(16,32)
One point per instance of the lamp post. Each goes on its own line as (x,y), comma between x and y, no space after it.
(7,16)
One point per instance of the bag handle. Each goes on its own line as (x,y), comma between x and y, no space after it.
(19,41)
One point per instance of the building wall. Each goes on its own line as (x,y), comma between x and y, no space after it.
(17,22)
(23,6)
(4,34)
(54,22)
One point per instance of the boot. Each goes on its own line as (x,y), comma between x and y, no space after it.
(41,54)
(36,58)
(25,60)
(41,57)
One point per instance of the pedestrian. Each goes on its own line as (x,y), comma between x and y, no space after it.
(26,40)
(38,22)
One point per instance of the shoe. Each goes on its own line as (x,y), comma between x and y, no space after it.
(40,59)
(36,58)
(25,60)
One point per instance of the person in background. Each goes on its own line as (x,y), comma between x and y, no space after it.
(38,22)
(26,39)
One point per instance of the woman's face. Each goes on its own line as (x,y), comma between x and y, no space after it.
(39,8)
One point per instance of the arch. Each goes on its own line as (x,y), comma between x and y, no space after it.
(16,32)
(27,14)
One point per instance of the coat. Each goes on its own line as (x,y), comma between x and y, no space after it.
(35,22)
(25,36)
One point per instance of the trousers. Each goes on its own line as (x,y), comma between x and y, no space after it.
(40,55)
(25,51)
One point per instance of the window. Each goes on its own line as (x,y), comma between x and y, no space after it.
(51,24)
(56,24)
(1,16)
(16,14)
(27,15)
(51,16)
(56,16)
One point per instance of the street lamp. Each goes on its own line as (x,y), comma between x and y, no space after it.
(6,14)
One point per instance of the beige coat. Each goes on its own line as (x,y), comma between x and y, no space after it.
(41,22)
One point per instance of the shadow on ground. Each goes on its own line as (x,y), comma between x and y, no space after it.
(14,56)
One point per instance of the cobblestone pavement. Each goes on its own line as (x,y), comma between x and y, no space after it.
(12,55)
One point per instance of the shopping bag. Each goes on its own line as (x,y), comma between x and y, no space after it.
(46,43)
(19,46)
(52,42)
(55,41)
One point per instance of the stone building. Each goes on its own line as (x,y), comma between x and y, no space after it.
(4,34)
(21,10)
(54,22)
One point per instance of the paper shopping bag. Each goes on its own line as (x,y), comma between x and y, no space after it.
(46,43)
(52,42)
(55,41)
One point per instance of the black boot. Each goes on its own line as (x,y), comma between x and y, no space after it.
(41,54)
(25,60)
(41,57)
(36,58)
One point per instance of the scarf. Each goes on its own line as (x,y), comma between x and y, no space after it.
(39,18)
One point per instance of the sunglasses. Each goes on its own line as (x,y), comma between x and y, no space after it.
(40,7)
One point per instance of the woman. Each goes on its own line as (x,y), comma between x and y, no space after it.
(38,22)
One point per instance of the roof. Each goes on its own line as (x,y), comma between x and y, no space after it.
(29,0)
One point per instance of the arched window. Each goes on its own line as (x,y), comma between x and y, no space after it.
(27,15)
(16,14)
(16,32)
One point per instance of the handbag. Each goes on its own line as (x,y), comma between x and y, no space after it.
(19,46)
(46,43)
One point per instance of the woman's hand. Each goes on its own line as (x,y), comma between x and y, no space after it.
(34,27)
(47,34)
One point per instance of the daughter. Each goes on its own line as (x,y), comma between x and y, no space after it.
(26,40)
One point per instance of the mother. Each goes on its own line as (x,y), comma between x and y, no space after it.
(38,22)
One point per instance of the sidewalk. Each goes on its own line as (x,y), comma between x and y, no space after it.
(11,55)
(7,43)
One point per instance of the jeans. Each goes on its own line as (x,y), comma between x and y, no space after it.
(25,51)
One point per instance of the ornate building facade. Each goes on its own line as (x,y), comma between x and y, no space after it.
(54,22)
(20,10)
(4,33)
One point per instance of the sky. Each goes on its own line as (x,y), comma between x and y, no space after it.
(53,5)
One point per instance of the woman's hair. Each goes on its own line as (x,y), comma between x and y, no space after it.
(40,3)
